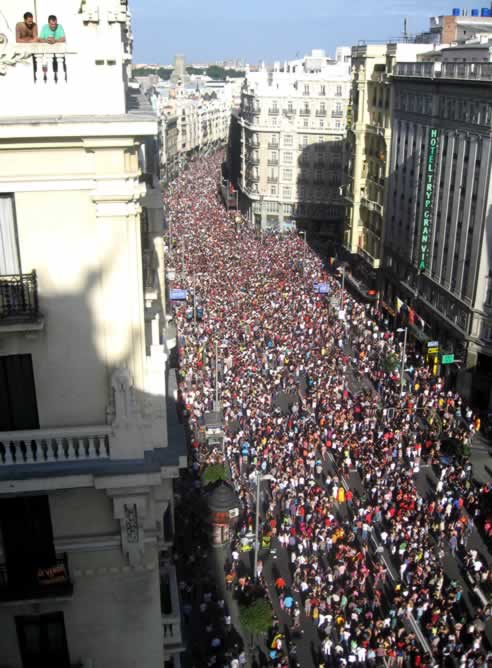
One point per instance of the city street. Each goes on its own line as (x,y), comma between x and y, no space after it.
(375,558)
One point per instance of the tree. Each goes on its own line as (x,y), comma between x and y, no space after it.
(391,362)
(256,618)
(214,472)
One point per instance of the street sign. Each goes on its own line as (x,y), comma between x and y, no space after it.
(432,344)
(177,294)
(321,288)
(447,359)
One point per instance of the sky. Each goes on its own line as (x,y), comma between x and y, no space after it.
(255,30)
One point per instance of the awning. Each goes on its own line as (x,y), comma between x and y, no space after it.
(388,308)
(361,288)
(418,334)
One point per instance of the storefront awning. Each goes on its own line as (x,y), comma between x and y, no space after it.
(418,334)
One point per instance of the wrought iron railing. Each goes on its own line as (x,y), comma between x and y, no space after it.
(19,297)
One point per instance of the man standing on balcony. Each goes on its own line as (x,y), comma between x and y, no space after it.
(52,33)
(26,30)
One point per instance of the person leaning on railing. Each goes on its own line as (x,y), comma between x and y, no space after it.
(52,33)
(26,30)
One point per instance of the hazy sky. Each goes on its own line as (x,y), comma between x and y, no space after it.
(206,30)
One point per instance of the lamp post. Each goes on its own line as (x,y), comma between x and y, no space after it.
(216,375)
(343,288)
(259,479)
(403,356)
(303,233)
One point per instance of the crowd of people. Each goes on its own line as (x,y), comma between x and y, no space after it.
(311,399)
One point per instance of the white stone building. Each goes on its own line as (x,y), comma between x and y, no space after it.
(293,123)
(88,447)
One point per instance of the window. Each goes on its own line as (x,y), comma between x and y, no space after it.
(288,157)
(322,90)
(9,254)
(306,89)
(273,190)
(288,140)
(339,91)
(338,125)
(28,545)
(286,192)
(290,107)
(43,641)
(305,123)
(287,174)
(321,123)
(19,409)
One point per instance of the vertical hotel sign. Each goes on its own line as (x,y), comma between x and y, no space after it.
(430,171)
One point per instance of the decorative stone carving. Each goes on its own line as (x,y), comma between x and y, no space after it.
(11,54)
(131,523)
(124,396)
(131,511)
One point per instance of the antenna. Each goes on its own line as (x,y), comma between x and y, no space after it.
(405,30)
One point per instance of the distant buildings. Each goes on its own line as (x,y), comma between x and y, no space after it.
(293,121)
(194,112)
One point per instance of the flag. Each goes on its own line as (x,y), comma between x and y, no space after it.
(398,304)
(411,316)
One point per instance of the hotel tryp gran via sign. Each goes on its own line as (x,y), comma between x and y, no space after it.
(430,171)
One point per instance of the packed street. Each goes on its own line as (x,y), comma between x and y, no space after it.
(374,540)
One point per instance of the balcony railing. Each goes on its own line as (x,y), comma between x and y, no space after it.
(337,114)
(272,179)
(321,112)
(272,163)
(305,112)
(48,446)
(19,297)
(273,144)
(43,583)
(252,160)
(274,112)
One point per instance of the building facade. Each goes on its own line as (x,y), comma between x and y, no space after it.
(437,252)
(88,447)
(368,144)
(293,122)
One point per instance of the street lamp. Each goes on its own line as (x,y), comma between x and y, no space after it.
(403,356)
(259,479)
(303,232)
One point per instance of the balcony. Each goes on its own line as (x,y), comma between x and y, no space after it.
(49,446)
(19,307)
(321,113)
(337,114)
(252,160)
(305,112)
(272,179)
(372,206)
(273,112)
(274,145)
(272,163)
(53,582)
(170,609)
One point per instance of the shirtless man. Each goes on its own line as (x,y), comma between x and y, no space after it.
(26,30)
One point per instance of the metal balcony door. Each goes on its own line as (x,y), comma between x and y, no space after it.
(27,538)
(18,405)
(43,641)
